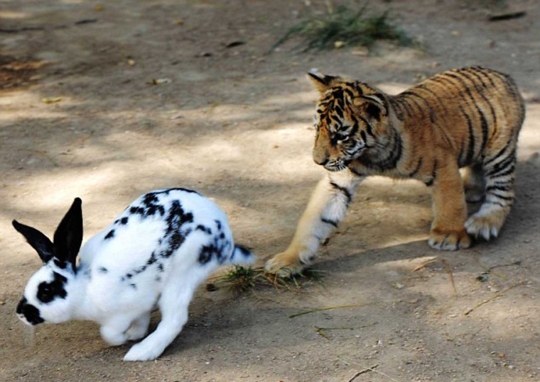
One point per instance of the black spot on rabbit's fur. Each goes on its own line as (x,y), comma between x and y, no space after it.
(177,217)
(48,291)
(206,254)
(243,251)
(152,259)
(140,270)
(110,235)
(206,230)
(136,211)
(160,267)
(217,249)
(103,270)
(30,312)
(151,203)
(150,206)
(124,220)
(168,190)
(176,233)
(134,286)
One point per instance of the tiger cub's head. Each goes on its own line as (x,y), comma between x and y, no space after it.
(349,116)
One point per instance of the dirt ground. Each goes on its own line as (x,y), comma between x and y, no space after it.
(108,100)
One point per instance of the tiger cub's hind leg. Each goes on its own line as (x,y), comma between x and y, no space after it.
(474,183)
(499,171)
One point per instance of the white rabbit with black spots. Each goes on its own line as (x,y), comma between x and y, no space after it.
(154,255)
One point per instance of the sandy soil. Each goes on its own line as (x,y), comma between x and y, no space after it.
(235,124)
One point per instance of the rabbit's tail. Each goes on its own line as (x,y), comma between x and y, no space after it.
(241,256)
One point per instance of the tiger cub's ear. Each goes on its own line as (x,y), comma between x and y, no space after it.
(372,104)
(322,82)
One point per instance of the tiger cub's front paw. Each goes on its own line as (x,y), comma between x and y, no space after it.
(284,264)
(449,240)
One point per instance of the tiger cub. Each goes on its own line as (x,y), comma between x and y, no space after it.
(465,118)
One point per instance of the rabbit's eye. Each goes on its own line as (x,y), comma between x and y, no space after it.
(48,291)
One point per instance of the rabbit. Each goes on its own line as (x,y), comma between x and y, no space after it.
(154,255)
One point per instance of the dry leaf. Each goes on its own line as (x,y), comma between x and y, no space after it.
(160,81)
(131,62)
(361,52)
(98,8)
(339,44)
(51,99)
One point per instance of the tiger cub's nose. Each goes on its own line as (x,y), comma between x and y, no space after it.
(320,161)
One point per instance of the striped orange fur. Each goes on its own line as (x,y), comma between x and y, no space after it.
(466,118)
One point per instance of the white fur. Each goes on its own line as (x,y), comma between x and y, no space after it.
(117,286)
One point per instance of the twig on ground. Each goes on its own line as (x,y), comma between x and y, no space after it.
(42,28)
(488,270)
(363,371)
(424,264)
(450,274)
(507,16)
(371,369)
(494,297)
(322,333)
(85,21)
(23,29)
(330,308)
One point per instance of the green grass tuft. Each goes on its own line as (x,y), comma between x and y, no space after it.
(352,28)
(241,279)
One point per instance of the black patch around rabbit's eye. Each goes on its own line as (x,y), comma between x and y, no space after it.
(60,264)
(30,312)
(48,291)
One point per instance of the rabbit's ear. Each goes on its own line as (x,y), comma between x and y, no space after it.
(37,240)
(68,236)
